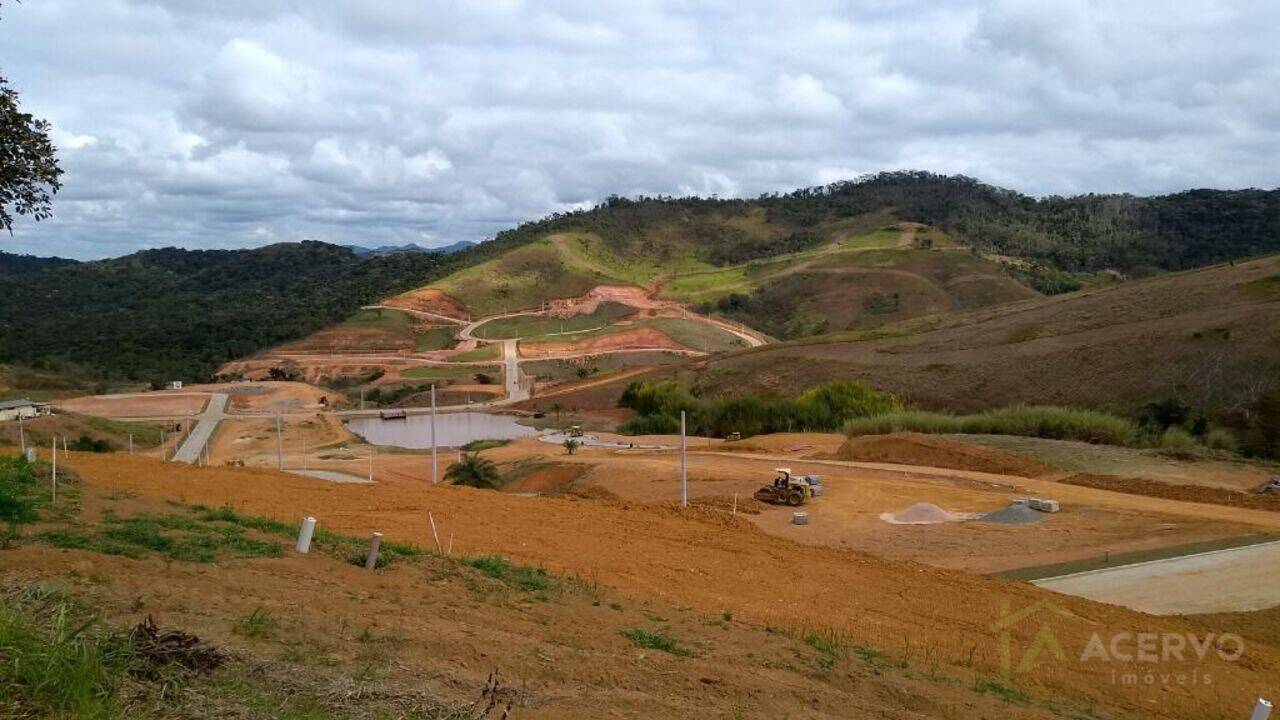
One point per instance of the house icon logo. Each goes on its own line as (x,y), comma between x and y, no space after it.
(1043,641)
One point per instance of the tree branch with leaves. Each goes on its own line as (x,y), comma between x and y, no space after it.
(29,172)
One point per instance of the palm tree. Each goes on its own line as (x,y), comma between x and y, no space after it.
(474,471)
(570,445)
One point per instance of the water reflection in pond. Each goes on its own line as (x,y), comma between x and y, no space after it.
(452,429)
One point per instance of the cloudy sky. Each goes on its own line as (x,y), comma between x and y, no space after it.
(243,122)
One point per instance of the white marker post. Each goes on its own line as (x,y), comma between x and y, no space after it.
(279,445)
(371,560)
(55,470)
(304,534)
(1262,710)
(435,470)
(684,476)
(370,463)
(65,452)
(130,443)
(22,434)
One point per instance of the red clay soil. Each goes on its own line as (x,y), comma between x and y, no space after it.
(551,477)
(1185,493)
(711,562)
(907,448)
(630,295)
(648,338)
(428,300)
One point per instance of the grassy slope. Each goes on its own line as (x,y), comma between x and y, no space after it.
(840,279)
(1204,333)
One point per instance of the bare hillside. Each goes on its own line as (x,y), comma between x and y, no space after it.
(1207,333)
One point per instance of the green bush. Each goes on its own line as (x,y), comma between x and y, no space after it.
(20,494)
(1175,438)
(1222,439)
(1044,421)
(825,407)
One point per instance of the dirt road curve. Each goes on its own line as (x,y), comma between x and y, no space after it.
(1225,580)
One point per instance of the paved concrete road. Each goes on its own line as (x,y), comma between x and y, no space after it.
(189,451)
(511,356)
(1246,578)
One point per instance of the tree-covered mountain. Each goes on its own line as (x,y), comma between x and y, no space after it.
(173,313)
(177,313)
(13,264)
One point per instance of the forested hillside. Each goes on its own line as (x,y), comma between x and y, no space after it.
(791,264)
(173,313)
(12,264)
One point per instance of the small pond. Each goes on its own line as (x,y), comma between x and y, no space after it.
(452,429)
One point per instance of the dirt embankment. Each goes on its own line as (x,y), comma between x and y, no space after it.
(710,561)
(640,337)
(907,448)
(428,300)
(1185,493)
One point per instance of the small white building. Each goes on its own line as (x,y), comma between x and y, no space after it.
(23,408)
(175,384)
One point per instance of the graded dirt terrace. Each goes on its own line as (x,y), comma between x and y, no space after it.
(710,562)
(176,403)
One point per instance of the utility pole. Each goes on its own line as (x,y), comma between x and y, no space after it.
(130,443)
(435,477)
(279,445)
(684,476)
(304,450)
(164,453)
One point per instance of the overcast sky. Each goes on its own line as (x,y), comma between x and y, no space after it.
(242,122)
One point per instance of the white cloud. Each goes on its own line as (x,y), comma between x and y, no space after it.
(386,121)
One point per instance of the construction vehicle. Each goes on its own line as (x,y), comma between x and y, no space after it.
(793,491)
(575,431)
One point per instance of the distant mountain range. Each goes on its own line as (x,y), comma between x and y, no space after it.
(409,248)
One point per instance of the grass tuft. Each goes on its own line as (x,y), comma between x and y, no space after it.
(651,640)
(526,578)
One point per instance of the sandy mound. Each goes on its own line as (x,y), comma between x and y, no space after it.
(907,448)
(924,514)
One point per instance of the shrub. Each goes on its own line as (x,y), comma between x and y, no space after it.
(474,471)
(1042,421)
(1175,438)
(825,407)
(20,494)
(1222,439)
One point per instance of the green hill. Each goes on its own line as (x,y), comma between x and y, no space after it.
(882,249)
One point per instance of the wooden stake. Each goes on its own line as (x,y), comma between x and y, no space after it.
(434,533)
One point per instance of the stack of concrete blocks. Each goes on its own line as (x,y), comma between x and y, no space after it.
(1043,505)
